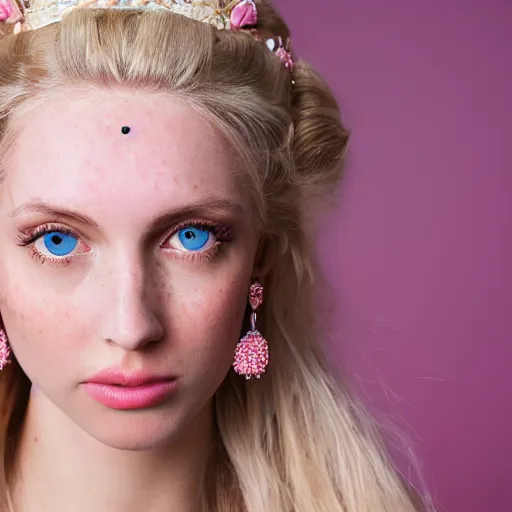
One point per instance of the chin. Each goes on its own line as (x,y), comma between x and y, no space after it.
(177,421)
(135,430)
(138,429)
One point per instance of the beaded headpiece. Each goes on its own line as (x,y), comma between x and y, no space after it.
(25,15)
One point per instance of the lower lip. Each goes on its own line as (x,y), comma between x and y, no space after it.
(137,397)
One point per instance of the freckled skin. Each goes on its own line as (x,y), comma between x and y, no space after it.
(123,300)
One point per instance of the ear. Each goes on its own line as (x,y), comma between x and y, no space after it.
(265,256)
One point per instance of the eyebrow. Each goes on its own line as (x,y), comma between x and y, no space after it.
(217,204)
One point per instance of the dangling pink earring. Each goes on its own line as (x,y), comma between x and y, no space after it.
(5,351)
(251,354)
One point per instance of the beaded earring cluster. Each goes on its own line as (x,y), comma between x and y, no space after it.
(251,354)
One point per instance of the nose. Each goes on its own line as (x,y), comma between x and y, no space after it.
(129,316)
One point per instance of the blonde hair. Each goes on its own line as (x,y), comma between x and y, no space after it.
(295,441)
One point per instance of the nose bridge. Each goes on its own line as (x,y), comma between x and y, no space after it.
(130,318)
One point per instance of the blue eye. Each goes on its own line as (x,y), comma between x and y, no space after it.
(194,238)
(58,243)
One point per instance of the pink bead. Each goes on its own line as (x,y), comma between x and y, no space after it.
(256,295)
(5,351)
(251,355)
(286,58)
(243,14)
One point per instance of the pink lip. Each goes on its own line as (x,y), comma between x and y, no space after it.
(138,390)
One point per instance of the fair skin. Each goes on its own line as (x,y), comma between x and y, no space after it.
(131,294)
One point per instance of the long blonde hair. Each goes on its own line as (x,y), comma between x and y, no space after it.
(295,441)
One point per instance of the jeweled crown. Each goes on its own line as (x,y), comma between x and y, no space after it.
(24,15)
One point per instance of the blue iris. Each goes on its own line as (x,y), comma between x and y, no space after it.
(60,244)
(193,239)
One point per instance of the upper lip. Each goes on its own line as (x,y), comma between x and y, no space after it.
(117,377)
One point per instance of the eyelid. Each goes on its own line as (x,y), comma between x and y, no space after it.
(192,223)
(29,236)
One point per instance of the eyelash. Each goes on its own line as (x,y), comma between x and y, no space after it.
(222,232)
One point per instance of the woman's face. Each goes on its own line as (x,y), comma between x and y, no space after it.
(126,250)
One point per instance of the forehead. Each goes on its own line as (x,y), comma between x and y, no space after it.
(72,148)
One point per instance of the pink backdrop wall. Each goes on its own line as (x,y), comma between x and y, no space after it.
(420,250)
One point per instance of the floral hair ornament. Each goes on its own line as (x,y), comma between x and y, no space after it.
(282,51)
(10,13)
(234,15)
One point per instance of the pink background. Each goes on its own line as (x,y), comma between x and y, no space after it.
(420,250)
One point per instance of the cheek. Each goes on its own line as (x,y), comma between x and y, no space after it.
(211,322)
(39,330)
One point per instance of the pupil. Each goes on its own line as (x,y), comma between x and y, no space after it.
(56,239)
(189,235)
